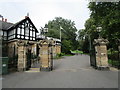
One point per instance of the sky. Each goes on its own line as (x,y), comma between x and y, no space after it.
(42,11)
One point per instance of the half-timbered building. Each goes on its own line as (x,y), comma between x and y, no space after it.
(22,42)
(23,30)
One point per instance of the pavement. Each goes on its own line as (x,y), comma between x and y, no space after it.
(69,72)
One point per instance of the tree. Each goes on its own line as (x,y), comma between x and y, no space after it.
(68,33)
(107,15)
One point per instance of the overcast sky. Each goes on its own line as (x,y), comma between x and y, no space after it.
(42,11)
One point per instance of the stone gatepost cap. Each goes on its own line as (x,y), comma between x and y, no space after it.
(100,41)
(22,42)
(45,42)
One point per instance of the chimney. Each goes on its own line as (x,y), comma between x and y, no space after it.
(5,20)
(2,19)
(26,16)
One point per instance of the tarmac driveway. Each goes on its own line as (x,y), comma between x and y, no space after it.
(69,72)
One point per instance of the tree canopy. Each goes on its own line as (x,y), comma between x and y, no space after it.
(68,33)
(107,16)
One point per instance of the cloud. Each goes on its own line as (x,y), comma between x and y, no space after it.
(41,11)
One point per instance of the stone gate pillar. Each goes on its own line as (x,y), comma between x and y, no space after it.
(119,48)
(45,54)
(22,59)
(101,53)
(53,48)
(58,48)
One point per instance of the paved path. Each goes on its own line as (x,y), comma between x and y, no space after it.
(69,72)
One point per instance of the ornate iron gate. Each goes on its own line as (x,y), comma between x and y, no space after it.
(51,57)
(93,56)
(28,66)
(114,57)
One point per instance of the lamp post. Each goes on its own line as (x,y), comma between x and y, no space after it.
(99,29)
(60,32)
(90,42)
(44,31)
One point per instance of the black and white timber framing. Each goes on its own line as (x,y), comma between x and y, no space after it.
(23,30)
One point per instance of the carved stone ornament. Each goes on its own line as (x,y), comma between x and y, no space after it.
(100,41)
(45,42)
(22,43)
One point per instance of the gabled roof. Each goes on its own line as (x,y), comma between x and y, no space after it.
(16,24)
(5,25)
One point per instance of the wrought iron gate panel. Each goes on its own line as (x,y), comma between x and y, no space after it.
(93,57)
(92,54)
(28,66)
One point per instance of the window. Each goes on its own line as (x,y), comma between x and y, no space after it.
(27,21)
(14,31)
(26,37)
(18,36)
(22,32)
(22,36)
(30,28)
(5,33)
(1,32)
(27,31)
(30,33)
(11,32)
(33,38)
(22,26)
(10,37)
(13,36)
(18,31)
(33,33)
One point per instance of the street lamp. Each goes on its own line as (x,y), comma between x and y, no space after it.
(60,32)
(43,32)
(99,29)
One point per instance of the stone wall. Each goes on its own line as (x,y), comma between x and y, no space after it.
(58,49)
(12,49)
(54,50)
(46,52)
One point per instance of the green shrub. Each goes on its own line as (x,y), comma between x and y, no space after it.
(113,55)
(114,62)
(60,54)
